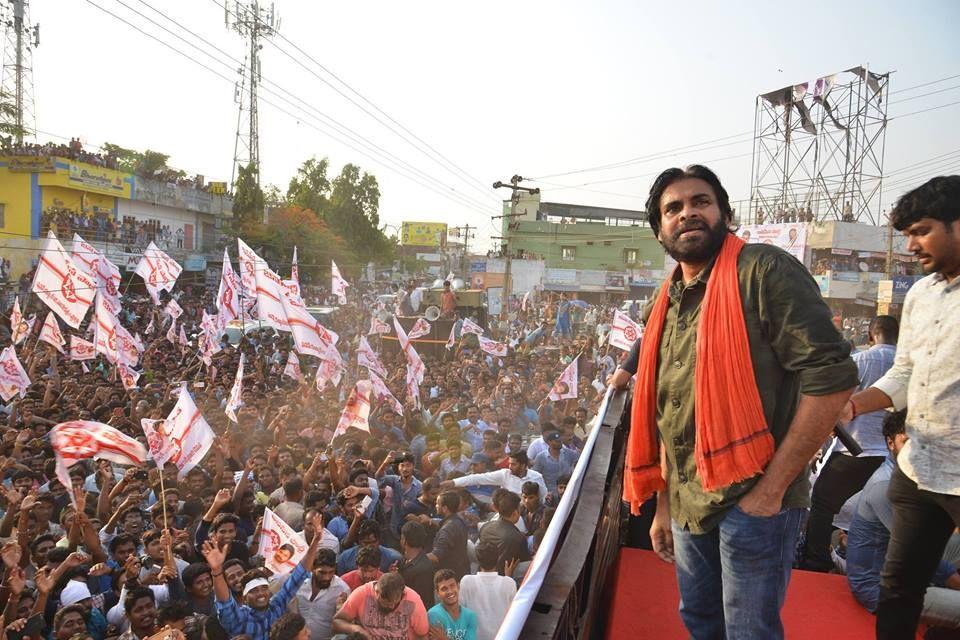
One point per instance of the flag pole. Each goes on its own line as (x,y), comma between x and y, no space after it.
(163,494)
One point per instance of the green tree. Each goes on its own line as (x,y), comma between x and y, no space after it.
(248,201)
(352,214)
(310,188)
(9,130)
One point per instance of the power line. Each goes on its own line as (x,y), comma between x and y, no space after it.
(913,113)
(463,174)
(924,95)
(451,195)
(925,84)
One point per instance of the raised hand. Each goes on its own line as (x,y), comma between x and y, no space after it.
(214,555)
(11,554)
(222,498)
(17,580)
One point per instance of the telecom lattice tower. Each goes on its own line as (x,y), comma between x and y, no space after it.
(254,22)
(818,149)
(16,76)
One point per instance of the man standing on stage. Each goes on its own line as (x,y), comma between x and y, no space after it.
(925,487)
(740,378)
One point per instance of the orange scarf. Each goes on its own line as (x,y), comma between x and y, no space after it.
(733,442)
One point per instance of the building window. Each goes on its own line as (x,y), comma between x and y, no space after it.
(630,256)
(608,243)
(3,219)
(568,253)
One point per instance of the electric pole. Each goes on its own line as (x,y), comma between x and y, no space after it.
(515,188)
(253,22)
(17,81)
(468,234)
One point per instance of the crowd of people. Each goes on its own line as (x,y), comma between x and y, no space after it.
(421,527)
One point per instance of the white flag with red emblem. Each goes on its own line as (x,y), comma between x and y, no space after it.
(158,270)
(81,349)
(83,439)
(492,347)
(228,295)
(383,394)
(419,329)
(128,376)
(469,326)
(183,338)
(415,366)
(624,331)
(128,349)
(270,297)
(356,412)
(309,336)
(367,357)
(452,338)
(565,387)
(51,334)
(338,286)
(292,369)
(172,333)
(173,309)
(184,438)
(91,261)
(280,546)
(378,326)
(149,330)
(330,371)
(235,401)
(294,269)
(19,328)
(64,288)
(249,263)
(105,331)
(13,378)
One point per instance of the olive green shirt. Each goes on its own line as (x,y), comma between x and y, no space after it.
(794,347)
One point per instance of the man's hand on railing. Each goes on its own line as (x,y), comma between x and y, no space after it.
(619,380)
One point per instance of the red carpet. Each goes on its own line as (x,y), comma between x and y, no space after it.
(646,601)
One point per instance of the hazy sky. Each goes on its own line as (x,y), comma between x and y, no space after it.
(528,87)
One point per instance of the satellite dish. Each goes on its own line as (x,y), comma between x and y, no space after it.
(457,283)
(432,313)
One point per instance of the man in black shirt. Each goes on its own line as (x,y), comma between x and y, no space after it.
(416,568)
(503,531)
(450,543)
(423,511)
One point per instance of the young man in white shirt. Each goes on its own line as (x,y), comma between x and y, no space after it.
(488,594)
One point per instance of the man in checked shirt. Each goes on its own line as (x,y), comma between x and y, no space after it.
(925,488)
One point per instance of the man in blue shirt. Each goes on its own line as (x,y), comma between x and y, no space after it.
(843,475)
(406,488)
(259,611)
(870,533)
(556,461)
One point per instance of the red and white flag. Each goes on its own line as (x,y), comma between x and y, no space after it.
(338,286)
(356,412)
(624,331)
(172,333)
(330,371)
(158,270)
(149,330)
(91,261)
(228,296)
(128,349)
(173,309)
(378,326)
(367,357)
(249,263)
(292,369)
(294,269)
(105,331)
(183,338)
(492,347)
(19,328)
(51,334)
(452,338)
(271,294)
(566,385)
(383,394)
(83,439)
(414,363)
(309,336)
(235,401)
(419,329)
(61,285)
(469,326)
(128,376)
(81,349)
(280,546)
(184,438)
(13,378)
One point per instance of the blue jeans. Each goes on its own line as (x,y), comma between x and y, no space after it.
(733,579)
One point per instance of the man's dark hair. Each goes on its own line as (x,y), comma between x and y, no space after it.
(224,518)
(193,571)
(123,538)
(356,473)
(442,576)
(507,502)
(293,487)
(369,557)
(63,613)
(894,423)
(234,562)
(136,594)
(675,174)
(414,534)
(325,557)
(520,456)
(937,198)
(487,555)
(530,488)
(391,585)
(43,537)
(450,499)
(886,326)
(287,627)
(150,535)
(172,612)
(368,528)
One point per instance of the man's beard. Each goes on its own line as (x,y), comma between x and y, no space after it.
(696,250)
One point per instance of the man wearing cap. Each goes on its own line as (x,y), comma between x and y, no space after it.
(259,611)
(556,461)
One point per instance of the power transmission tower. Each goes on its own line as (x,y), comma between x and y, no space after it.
(16,84)
(254,22)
